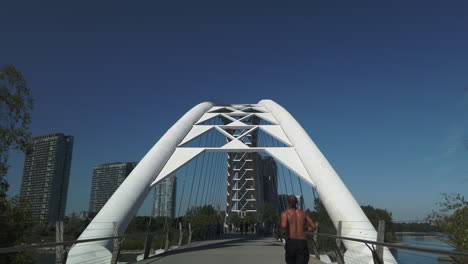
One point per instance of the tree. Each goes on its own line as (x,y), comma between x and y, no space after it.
(250,217)
(452,216)
(375,215)
(73,227)
(15,117)
(235,219)
(203,218)
(326,225)
(320,215)
(269,217)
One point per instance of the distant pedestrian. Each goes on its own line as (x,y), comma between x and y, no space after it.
(230,228)
(218,229)
(293,222)
(242,228)
(246,227)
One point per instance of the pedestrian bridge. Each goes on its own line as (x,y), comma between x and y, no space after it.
(224,163)
(219,166)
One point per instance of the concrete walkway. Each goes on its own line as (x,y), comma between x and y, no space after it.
(237,249)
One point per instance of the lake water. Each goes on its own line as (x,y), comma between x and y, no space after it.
(410,257)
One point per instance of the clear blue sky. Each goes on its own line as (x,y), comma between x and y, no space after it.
(379,86)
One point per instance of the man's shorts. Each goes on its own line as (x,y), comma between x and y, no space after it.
(296,251)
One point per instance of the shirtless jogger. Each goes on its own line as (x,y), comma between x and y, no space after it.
(293,221)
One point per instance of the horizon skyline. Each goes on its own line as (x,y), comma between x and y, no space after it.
(381,88)
(148,201)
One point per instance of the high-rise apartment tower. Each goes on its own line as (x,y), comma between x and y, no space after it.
(46,175)
(165,197)
(106,179)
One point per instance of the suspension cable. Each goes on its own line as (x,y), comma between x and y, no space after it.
(200,173)
(206,174)
(183,190)
(193,179)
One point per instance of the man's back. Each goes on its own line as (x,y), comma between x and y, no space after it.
(294,220)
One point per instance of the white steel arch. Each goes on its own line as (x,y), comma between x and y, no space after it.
(127,199)
(299,154)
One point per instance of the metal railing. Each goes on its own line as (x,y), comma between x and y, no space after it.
(395,245)
(457,256)
(207,232)
(199,233)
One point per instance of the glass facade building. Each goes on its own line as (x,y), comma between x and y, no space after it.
(165,197)
(106,179)
(268,173)
(46,176)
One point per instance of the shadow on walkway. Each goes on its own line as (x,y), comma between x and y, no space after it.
(223,242)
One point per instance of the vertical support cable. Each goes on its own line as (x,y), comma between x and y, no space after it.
(193,179)
(201,171)
(183,190)
(214,168)
(300,187)
(282,169)
(222,174)
(290,180)
(219,191)
(210,158)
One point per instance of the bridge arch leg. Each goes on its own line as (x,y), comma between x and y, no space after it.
(127,199)
(337,199)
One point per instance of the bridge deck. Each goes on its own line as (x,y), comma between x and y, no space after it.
(238,249)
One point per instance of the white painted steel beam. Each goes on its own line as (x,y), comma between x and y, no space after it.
(207,116)
(179,158)
(215,108)
(195,132)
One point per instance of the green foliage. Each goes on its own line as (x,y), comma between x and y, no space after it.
(375,215)
(73,227)
(236,219)
(15,117)
(14,222)
(139,224)
(320,215)
(270,218)
(133,243)
(40,233)
(250,218)
(326,226)
(203,220)
(14,226)
(452,216)
(202,216)
(269,215)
